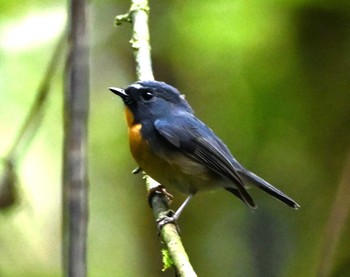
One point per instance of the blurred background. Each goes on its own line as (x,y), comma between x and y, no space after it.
(271,78)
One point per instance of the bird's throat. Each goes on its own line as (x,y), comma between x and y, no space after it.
(129,117)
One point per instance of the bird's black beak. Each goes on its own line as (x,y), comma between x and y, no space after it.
(120,92)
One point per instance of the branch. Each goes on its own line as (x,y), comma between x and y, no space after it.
(140,42)
(75,180)
(32,122)
(169,234)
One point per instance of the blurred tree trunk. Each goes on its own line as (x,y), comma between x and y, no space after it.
(76,106)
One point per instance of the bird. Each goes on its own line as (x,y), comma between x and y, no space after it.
(171,145)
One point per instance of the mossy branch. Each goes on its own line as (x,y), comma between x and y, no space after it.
(175,254)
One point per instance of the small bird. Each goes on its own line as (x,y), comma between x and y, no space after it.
(175,148)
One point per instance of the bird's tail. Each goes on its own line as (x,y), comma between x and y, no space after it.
(270,189)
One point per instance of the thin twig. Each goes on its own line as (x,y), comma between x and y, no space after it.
(32,122)
(8,191)
(140,42)
(75,180)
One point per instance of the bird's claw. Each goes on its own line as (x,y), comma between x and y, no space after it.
(165,220)
(159,189)
(168,218)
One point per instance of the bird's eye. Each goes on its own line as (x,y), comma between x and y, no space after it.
(147,95)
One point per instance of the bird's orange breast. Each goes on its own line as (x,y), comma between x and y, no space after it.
(151,163)
(138,146)
(174,169)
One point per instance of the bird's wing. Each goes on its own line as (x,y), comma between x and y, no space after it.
(197,141)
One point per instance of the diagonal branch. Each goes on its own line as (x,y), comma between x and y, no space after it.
(31,124)
(33,119)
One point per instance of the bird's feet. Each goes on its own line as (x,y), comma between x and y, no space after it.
(168,218)
(159,189)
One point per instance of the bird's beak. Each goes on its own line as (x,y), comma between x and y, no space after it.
(120,92)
